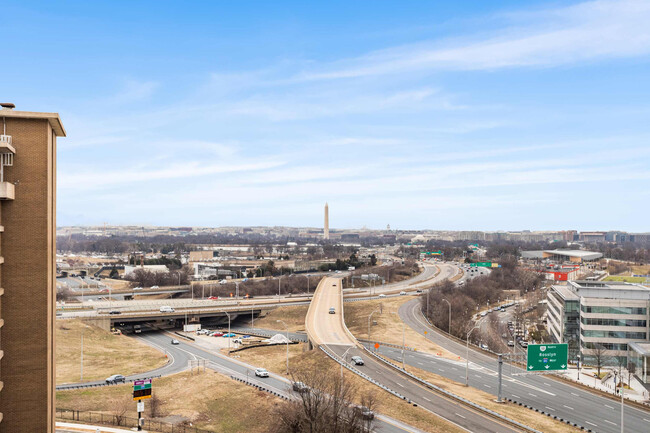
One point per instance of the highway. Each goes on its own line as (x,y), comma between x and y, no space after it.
(329,331)
(181,354)
(585,408)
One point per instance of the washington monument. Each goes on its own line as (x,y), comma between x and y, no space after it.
(326,229)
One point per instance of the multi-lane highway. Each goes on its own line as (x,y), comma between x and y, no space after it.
(328,330)
(585,408)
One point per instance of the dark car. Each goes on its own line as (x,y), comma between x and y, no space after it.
(114,312)
(116,378)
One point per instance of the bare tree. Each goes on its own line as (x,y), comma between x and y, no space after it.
(631,369)
(155,406)
(600,355)
(324,405)
(120,407)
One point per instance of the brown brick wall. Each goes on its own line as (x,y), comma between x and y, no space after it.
(27,369)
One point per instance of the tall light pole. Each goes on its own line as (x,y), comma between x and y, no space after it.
(236,290)
(377,310)
(287,327)
(279,280)
(448,326)
(403,340)
(82,353)
(344,361)
(229,337)
(467,357)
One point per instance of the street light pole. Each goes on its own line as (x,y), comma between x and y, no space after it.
(286,326)
(344,353)
(279,280)
(236,290)
(229,337)
(448,326)
(467,357)
(403,341)
(369,321)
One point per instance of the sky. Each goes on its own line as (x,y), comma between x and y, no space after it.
(463,115)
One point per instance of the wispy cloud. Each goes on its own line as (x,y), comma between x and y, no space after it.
(585,32)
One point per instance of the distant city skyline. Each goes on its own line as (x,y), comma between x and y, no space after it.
(459,116)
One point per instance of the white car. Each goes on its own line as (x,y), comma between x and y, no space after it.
(223,282)
(137,288)
(261,372)
(402,293)
(382,296)
(155,287)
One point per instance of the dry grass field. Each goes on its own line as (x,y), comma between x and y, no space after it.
(104,353)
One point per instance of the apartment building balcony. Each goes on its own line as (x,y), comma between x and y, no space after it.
(6,145)
(7,191)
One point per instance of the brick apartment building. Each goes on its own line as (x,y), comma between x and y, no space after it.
(27,269)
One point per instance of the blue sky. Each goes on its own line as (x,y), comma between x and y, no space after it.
(464,115)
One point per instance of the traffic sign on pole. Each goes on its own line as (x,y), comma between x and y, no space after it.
(547,357)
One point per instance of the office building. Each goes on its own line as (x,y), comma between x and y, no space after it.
(27,269)
(611,316)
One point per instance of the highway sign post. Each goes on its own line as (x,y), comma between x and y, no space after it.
(547,357)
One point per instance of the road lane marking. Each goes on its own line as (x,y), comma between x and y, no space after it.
(515,396)
(612,423)
(427,399)
(648,420)
(609,406)
(460,415)
(533,395)
(420,363)
(487,386)
(400,385)
(568,407)
(549,408)
(577,395)
(591,423)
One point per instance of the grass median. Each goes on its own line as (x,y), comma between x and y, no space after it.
(389,326)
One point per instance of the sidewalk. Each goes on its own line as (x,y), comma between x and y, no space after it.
(588,378)
(68,427)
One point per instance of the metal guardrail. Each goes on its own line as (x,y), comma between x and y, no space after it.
(365,376)
(65,387)
(453,396)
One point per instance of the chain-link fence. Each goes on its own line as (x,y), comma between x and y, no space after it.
(99,418)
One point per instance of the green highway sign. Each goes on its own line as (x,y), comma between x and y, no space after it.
(481,264)
(547,357)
